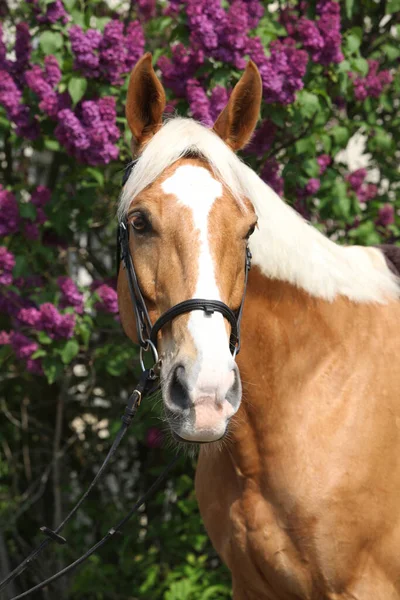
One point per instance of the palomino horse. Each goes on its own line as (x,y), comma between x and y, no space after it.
(302,498)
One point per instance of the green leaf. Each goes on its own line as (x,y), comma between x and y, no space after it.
(69,4)
(393,6)
(21,265)
(97,174)
(52,369)
(50,41)
(69,351)
(51,145)
(77,88)
(39,353)
(308,103)
(340,134)
(353,39)
(349,8)
(44,338)
(305,145)
(311,167)
(27,211)
(360,65)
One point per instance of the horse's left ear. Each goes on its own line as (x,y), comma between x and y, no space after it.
(236,123)
(145,102)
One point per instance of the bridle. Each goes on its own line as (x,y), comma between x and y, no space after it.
(147,333)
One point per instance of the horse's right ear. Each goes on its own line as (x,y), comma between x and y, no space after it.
(145,102)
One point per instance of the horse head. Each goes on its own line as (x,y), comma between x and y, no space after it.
(189,224)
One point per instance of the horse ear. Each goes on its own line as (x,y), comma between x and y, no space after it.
(236,123)
(145,102)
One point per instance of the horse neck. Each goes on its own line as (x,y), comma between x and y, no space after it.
(290,343)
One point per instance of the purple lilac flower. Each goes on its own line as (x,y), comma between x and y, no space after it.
(49,99)
(324,160)
(70,296)
(198,102)
(52,71)
(263,138)
(367,192)
(181,67)
(4,338)
(23,49)
(11,303)
(372,85)
(10,98)
(29,316)
(218,100)
(282,73)
(108,299)
(40,196)
(3,50)
(84,47)
(385,215)
(255,11)
(271,175)
(7,263)
(31,231)
(110,55)
(22,345)
(146,8)
(312,186)
(154,437)
(322,38)
(34,366)
(356,179)
(9,213)
(112,52)
(134,44)
(55,11)
(71,133)
(54,323)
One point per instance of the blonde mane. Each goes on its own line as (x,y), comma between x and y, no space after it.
(284,246)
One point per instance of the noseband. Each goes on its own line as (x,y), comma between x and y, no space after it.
(147,333)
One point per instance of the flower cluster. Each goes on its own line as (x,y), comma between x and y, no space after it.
(282,72)
(263,138)
(70,296)
(385,215)
(10,220)
(108,298)
(322,38)
(271,175)
(43,81)
(54,11)
(7,263)
(323,160)
(364,191)
(110,55)
(372,85)
(90,133)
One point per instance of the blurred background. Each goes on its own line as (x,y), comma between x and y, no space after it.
(327,141)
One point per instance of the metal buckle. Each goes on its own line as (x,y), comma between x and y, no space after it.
(149,346)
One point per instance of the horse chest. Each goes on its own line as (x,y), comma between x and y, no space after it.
(249,536)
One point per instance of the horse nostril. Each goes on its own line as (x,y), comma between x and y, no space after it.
(178,391)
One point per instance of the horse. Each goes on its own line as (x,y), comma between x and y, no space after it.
(298,474)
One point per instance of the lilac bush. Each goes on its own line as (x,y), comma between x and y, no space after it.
(330,75)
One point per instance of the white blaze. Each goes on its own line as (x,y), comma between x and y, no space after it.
(195,188)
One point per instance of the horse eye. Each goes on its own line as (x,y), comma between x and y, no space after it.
(140,223)
(250,232)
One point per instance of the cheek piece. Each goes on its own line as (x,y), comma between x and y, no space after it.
(147,333)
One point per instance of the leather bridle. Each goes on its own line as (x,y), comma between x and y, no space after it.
(147,333)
